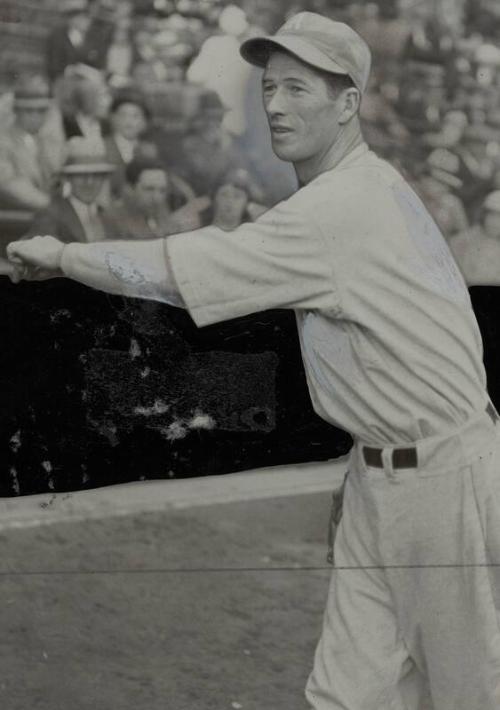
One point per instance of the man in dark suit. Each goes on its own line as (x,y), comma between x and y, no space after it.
(128,116)
(144,211)
(78,217)
(66,44)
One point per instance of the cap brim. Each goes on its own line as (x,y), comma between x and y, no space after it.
(96,169)
(257,50)
(32,103)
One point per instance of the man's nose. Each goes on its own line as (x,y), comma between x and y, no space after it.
(276,104)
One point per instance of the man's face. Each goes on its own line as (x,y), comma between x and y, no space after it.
(129,121)
(31,119)
(151,191)
(94,98)
(87,188)
(79,21)
(303,115)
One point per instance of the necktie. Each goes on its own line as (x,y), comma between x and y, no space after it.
(95,231)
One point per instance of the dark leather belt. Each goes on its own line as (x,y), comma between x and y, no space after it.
(407,457)
(401,458)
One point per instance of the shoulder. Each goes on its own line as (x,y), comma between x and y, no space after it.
(10,140)
(355,194)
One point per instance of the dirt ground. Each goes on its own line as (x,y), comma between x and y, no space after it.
(182,610)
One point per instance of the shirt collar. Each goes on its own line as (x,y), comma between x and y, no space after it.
(355,154)
(83,206)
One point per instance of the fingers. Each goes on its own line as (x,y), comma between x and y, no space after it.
(6,268)
(20,253)
(16,271)
(43,252)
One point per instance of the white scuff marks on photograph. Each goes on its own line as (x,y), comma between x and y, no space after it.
(159,407)
(15,441)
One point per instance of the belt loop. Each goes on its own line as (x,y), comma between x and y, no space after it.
(387,455)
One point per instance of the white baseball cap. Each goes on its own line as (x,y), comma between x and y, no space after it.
(316,40)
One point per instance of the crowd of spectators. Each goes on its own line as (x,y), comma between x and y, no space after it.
(147,116)
(125,134)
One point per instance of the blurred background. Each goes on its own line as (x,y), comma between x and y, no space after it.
(137,118)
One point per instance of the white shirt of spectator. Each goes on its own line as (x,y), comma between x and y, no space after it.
(125,147)
(76,37)
(390,344)
(219,67)
(31,144)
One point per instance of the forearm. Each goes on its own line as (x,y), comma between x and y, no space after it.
(25,194)
(137,269)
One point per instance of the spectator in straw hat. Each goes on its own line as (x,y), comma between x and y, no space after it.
(25,161)
(78,217)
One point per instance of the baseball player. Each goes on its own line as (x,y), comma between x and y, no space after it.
(392,354)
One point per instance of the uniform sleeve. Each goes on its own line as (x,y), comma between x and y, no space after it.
(279,261)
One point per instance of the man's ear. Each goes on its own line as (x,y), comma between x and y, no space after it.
(351,101)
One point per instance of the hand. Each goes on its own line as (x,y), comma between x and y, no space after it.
(35,259)
(6,268)
(187,218)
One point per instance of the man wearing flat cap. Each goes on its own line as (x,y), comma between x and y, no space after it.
(392,353)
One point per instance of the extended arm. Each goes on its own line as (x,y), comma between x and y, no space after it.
(127,268)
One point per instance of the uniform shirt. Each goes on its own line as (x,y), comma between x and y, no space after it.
(390,344)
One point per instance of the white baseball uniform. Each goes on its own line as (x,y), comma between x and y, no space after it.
(392,354)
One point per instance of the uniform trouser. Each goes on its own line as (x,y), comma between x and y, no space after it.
(413,612)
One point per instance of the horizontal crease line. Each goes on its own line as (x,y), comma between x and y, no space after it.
(230,570)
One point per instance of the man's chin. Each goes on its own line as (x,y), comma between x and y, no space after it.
(282,152)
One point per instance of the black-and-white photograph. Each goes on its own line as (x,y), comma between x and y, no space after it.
(250,270)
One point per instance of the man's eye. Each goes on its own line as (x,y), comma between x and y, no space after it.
(296,89)
(267,88)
